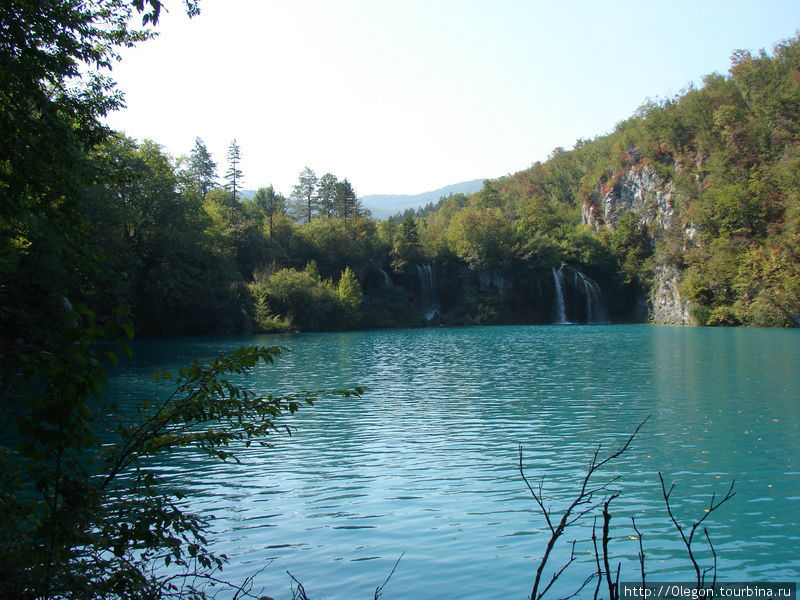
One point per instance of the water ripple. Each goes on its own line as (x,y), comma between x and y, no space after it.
(426,462)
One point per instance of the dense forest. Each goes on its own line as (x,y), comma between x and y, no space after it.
(699,192)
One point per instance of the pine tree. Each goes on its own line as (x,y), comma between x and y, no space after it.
(347,203)
(271,203)
(304,195)
(234,174)
(327,194)
(406,249)
(202,168)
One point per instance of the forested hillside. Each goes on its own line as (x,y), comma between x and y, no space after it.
(686,212)
(692,201)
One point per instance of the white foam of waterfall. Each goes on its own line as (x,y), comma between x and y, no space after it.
(430,300)
(595,303)
(561,307)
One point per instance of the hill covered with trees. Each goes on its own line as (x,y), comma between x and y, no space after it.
(686,213)
(689,206)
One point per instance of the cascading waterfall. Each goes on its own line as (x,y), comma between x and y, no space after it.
(247,323)
(386,279)
(561,307)
(430,300)
(595,303)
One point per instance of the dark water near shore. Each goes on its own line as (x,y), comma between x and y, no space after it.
(425,463)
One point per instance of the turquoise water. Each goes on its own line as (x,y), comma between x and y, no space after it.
(425,463)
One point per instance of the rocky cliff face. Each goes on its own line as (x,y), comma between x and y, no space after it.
(666,305)
(641,190)
(638,189)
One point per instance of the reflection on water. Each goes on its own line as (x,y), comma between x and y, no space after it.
(426,461)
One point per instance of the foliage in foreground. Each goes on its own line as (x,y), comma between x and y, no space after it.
(81,513)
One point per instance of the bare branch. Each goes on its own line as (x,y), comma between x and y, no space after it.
(612,587)
(536,496)
(379,589)
(583,585)
(300,592)
(687,540)
(714,554)
(581,505)
(599,572)
(558,573)
(641,551)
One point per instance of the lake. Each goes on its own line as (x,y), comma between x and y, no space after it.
(425,463)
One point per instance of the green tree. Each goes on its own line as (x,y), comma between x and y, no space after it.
(301,298)
(54,91)
(483,239)
(768,285)
(406,250)
(489,196)
(304,195)
(153,246)
(270,203)
(347,203)
(327,194)
(237,232)
(334,245)
(234,174)
(630,244)
(202,169)
(350,296)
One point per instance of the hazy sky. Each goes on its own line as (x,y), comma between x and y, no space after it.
(408,96)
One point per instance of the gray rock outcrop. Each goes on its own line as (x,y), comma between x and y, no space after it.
(641,190)
(666,305)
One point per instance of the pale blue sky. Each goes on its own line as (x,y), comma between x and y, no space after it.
(411,95)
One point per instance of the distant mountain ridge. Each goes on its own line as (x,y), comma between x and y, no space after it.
(386,205)
(383,206)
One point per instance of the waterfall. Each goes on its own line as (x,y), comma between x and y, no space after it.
(247,323)
(68,308)
(386,279)
(595,303)
(430,300)
(561,308)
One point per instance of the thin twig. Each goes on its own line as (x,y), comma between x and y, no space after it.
(596,558)
(612,592)
(300,589)
(641,550)
(379,589)
(687,540)
(585,499)
(536,496)
(558,573)
(714,554)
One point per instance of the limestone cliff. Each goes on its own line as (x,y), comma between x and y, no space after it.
(644,192)
(666,306)
(638,189)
